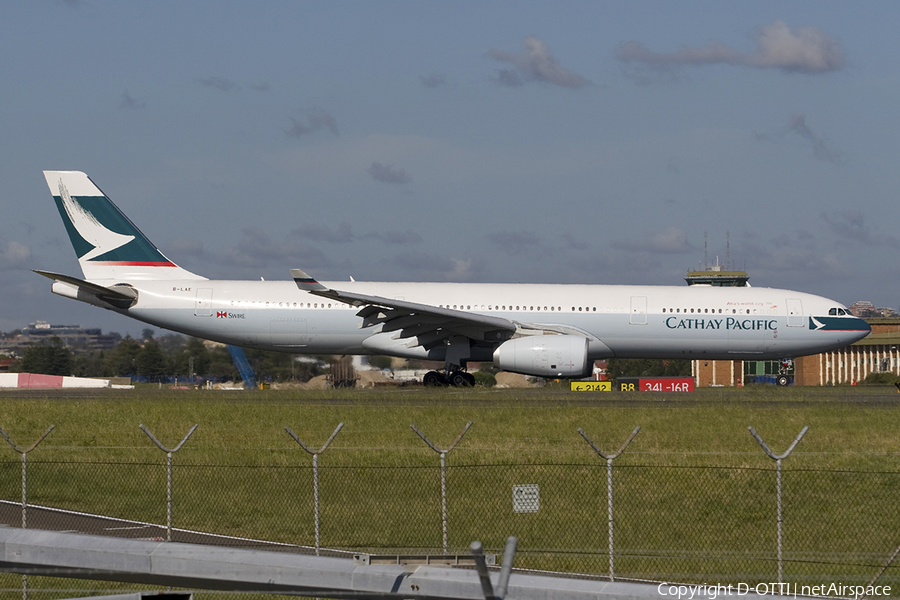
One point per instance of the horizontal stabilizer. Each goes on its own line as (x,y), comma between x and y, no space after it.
(122,296)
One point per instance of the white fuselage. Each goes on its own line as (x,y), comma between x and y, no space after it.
(619,321)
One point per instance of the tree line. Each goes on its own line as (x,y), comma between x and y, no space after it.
(159,359)
(173,355)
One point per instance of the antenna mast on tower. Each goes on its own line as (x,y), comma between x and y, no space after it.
(728,250)
(705,250)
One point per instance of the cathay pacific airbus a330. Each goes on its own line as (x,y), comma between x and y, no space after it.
(535,329)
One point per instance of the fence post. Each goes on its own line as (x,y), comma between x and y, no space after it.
(777,459)
(609,488)
(169,452)
(443,454)
(24,452)
(315,455)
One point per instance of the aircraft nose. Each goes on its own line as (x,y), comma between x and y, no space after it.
(861,328)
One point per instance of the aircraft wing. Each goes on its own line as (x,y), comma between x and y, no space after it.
(424,324)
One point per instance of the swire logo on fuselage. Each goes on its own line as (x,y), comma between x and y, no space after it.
(729,323)
(222,314)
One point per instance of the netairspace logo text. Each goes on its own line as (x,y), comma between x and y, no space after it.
(711,592)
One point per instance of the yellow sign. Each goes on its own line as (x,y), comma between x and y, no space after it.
(591,386)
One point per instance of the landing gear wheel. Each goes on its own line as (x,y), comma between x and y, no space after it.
(470,378)
(460,379)
(782,380)
(433,379)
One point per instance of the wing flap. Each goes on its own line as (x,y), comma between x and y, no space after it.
(425,325)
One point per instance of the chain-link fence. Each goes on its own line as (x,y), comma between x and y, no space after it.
(671,523)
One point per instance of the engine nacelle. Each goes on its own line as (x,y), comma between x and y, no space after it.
(544,356)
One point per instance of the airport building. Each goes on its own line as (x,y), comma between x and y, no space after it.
(879,352)
(72,336)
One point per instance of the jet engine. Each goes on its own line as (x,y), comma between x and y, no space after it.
(544,356)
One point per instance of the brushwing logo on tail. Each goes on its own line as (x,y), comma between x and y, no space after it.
(89,228)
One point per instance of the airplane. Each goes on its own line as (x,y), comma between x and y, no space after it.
(544,330)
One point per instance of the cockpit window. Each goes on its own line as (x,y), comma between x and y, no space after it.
(833,311)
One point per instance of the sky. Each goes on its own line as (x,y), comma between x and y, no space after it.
(488,141)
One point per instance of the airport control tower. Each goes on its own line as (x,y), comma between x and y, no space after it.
(716,276)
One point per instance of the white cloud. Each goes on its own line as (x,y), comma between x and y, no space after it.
(535,64)
(801,50)
(14,256)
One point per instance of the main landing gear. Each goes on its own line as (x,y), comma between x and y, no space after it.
(458,352)
(455,378)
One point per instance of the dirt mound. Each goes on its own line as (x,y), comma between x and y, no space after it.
(365,379)
(512,380)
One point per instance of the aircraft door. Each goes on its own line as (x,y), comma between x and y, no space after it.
(203,304)
(638,310)
(794,312)
(289,333)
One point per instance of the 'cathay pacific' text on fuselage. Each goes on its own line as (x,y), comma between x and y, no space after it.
(729,323)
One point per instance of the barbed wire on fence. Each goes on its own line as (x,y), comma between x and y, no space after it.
(315,459)
(24,450)
(779,512)
(169,452)
(609,489)
(443,453)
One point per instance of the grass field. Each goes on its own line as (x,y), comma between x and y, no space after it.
(695,495)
